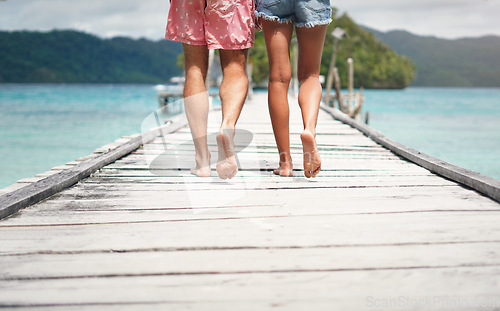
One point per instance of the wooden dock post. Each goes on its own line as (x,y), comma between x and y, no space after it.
(338,90)
(338,34)
(350,84)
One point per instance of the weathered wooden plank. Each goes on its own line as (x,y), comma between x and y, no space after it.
(118,174)
(270,154)
(69,214)
(359,141)
(457,288)
(348,201)
(44,188)
(252,196)
(259,184)
(266,154)
(234,261)
(264,163)
(242,231)
(267,180)
(341,205)
(487,185)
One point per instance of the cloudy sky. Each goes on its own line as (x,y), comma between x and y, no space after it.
(106,18)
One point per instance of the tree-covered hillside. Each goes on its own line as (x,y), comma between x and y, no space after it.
(75,57)
(375,64)
(468,62)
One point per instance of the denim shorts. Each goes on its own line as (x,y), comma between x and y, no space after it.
(303,13)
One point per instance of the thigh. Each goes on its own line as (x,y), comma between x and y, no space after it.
(278,37)
(311,41)
(185,22)
(229,24)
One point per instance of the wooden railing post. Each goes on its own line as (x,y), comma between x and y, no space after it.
(350,85)
(337,34)
(338,90)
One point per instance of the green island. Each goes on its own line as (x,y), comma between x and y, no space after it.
(375,64)
(392,60)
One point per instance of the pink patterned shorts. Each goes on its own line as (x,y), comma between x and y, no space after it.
(219,24)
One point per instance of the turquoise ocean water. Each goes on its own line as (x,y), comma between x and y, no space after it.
(460,126)
(43,126)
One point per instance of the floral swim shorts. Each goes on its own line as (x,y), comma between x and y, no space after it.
(303,13)
(219,24)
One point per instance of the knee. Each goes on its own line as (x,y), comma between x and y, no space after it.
(195,73)
(234,70)
(282,77)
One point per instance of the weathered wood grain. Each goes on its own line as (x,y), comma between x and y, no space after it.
(45,187)
(202,230)
(484,184)
(245,260)
(457,288)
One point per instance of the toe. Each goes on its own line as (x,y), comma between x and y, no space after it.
(307,173)
(316,171)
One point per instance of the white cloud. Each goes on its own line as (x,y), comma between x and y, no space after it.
(104,18)
(443,18)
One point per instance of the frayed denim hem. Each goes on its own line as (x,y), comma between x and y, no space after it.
(272,18)
(313,24)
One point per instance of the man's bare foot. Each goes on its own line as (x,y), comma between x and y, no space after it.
(312,160)
(202,168)
(285,169)
(226,164)
(202,171)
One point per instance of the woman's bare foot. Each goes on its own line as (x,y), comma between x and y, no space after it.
(226,164)
(202,168)
(312,160)
(285,169)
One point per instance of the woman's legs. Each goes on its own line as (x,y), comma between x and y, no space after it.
(311,41)
(278,36)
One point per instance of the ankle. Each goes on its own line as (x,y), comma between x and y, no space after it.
(308,130)
(227,125)
(202,157)
(285,158)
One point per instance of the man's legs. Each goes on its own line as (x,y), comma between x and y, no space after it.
(196,104)
(233,92)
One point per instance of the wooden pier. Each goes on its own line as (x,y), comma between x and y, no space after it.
(166,97)
(373,231)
